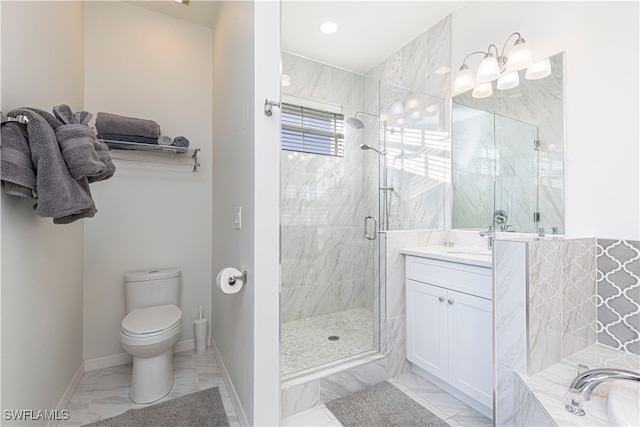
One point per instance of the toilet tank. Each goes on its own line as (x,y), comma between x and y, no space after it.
(152,287)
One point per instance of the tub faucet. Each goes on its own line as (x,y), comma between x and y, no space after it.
(583,384)
(490,233)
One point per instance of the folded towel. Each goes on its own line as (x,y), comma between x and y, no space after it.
(180,141)
(59,195)
(165,140)
(127,138)
(103,154)
(17,171)
(121,125)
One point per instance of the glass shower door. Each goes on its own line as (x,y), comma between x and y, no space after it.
(329,274)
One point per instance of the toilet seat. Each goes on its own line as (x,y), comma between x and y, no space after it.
(151,321)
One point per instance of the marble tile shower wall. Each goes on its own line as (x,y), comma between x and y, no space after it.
(419,199)
(326,262)
(618,298)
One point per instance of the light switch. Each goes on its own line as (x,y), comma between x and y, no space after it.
(238,221)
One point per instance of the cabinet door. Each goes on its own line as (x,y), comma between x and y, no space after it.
(427,328)
(470,338)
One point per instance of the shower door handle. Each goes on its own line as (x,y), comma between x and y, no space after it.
(375,227)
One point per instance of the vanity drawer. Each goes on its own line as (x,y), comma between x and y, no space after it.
(473,280)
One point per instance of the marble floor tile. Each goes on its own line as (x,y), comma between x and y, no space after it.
(315,416)
(105,392)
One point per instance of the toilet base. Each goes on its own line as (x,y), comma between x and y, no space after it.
(152,377)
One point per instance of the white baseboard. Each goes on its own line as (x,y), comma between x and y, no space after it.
(66,396)
(242,416)
(184,345)
(124,358)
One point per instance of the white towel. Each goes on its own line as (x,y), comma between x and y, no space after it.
(165,140)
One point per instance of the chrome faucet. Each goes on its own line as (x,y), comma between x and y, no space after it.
(490,233)
(583,384)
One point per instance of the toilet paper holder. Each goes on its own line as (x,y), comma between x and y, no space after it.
(232,279)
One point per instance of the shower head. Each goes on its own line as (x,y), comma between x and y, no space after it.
(354,123)
(368,147)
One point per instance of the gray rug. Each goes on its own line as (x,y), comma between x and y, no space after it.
(383,405)
(200,409)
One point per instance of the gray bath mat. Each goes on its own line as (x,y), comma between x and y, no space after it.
(200,409)
(382,406)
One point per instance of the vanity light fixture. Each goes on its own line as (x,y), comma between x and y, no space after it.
(500,66)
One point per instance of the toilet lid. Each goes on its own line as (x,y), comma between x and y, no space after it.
(151,319)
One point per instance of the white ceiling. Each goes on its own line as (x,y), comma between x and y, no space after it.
(369,30)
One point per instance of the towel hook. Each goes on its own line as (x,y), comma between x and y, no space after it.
(268,107)
(20,118)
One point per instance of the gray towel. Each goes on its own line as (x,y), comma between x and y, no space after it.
(121,125)
(16,168)
(103,154)
(77,143)
(59,195)
(86,213)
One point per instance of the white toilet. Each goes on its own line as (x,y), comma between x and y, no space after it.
(149,330)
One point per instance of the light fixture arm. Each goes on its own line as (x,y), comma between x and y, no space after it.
(502,60)
(464,65)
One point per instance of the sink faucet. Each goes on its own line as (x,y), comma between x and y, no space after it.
(490,233)
(584,383)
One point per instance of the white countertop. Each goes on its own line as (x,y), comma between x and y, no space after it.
(550,385)
(471,255)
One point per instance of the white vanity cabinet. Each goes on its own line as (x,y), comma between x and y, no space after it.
(449,323)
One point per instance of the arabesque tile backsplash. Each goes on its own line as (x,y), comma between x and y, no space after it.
(618,297)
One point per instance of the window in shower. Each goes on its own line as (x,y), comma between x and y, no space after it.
(309,130)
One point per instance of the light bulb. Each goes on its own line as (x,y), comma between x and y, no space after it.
(539,70)
(412,103)
(520,56)
(483,91)
(489,69)
(464,80)
(397,109)
(508,81)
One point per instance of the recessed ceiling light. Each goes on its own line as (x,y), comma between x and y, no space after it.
(443,70)
(329,27)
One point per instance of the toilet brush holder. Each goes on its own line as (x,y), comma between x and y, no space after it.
(200,326)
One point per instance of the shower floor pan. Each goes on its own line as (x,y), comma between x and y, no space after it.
(320,340)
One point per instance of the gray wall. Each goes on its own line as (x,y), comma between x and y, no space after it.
(42,263)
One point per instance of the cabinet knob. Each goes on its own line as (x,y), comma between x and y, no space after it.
(441,299)
(450,301)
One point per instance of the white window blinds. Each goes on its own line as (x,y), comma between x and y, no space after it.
(309,130)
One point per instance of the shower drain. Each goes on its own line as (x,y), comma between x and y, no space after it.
(333,338)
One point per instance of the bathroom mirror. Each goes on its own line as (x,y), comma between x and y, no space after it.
(508,156)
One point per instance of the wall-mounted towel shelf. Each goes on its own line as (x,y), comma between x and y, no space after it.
(167,154)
